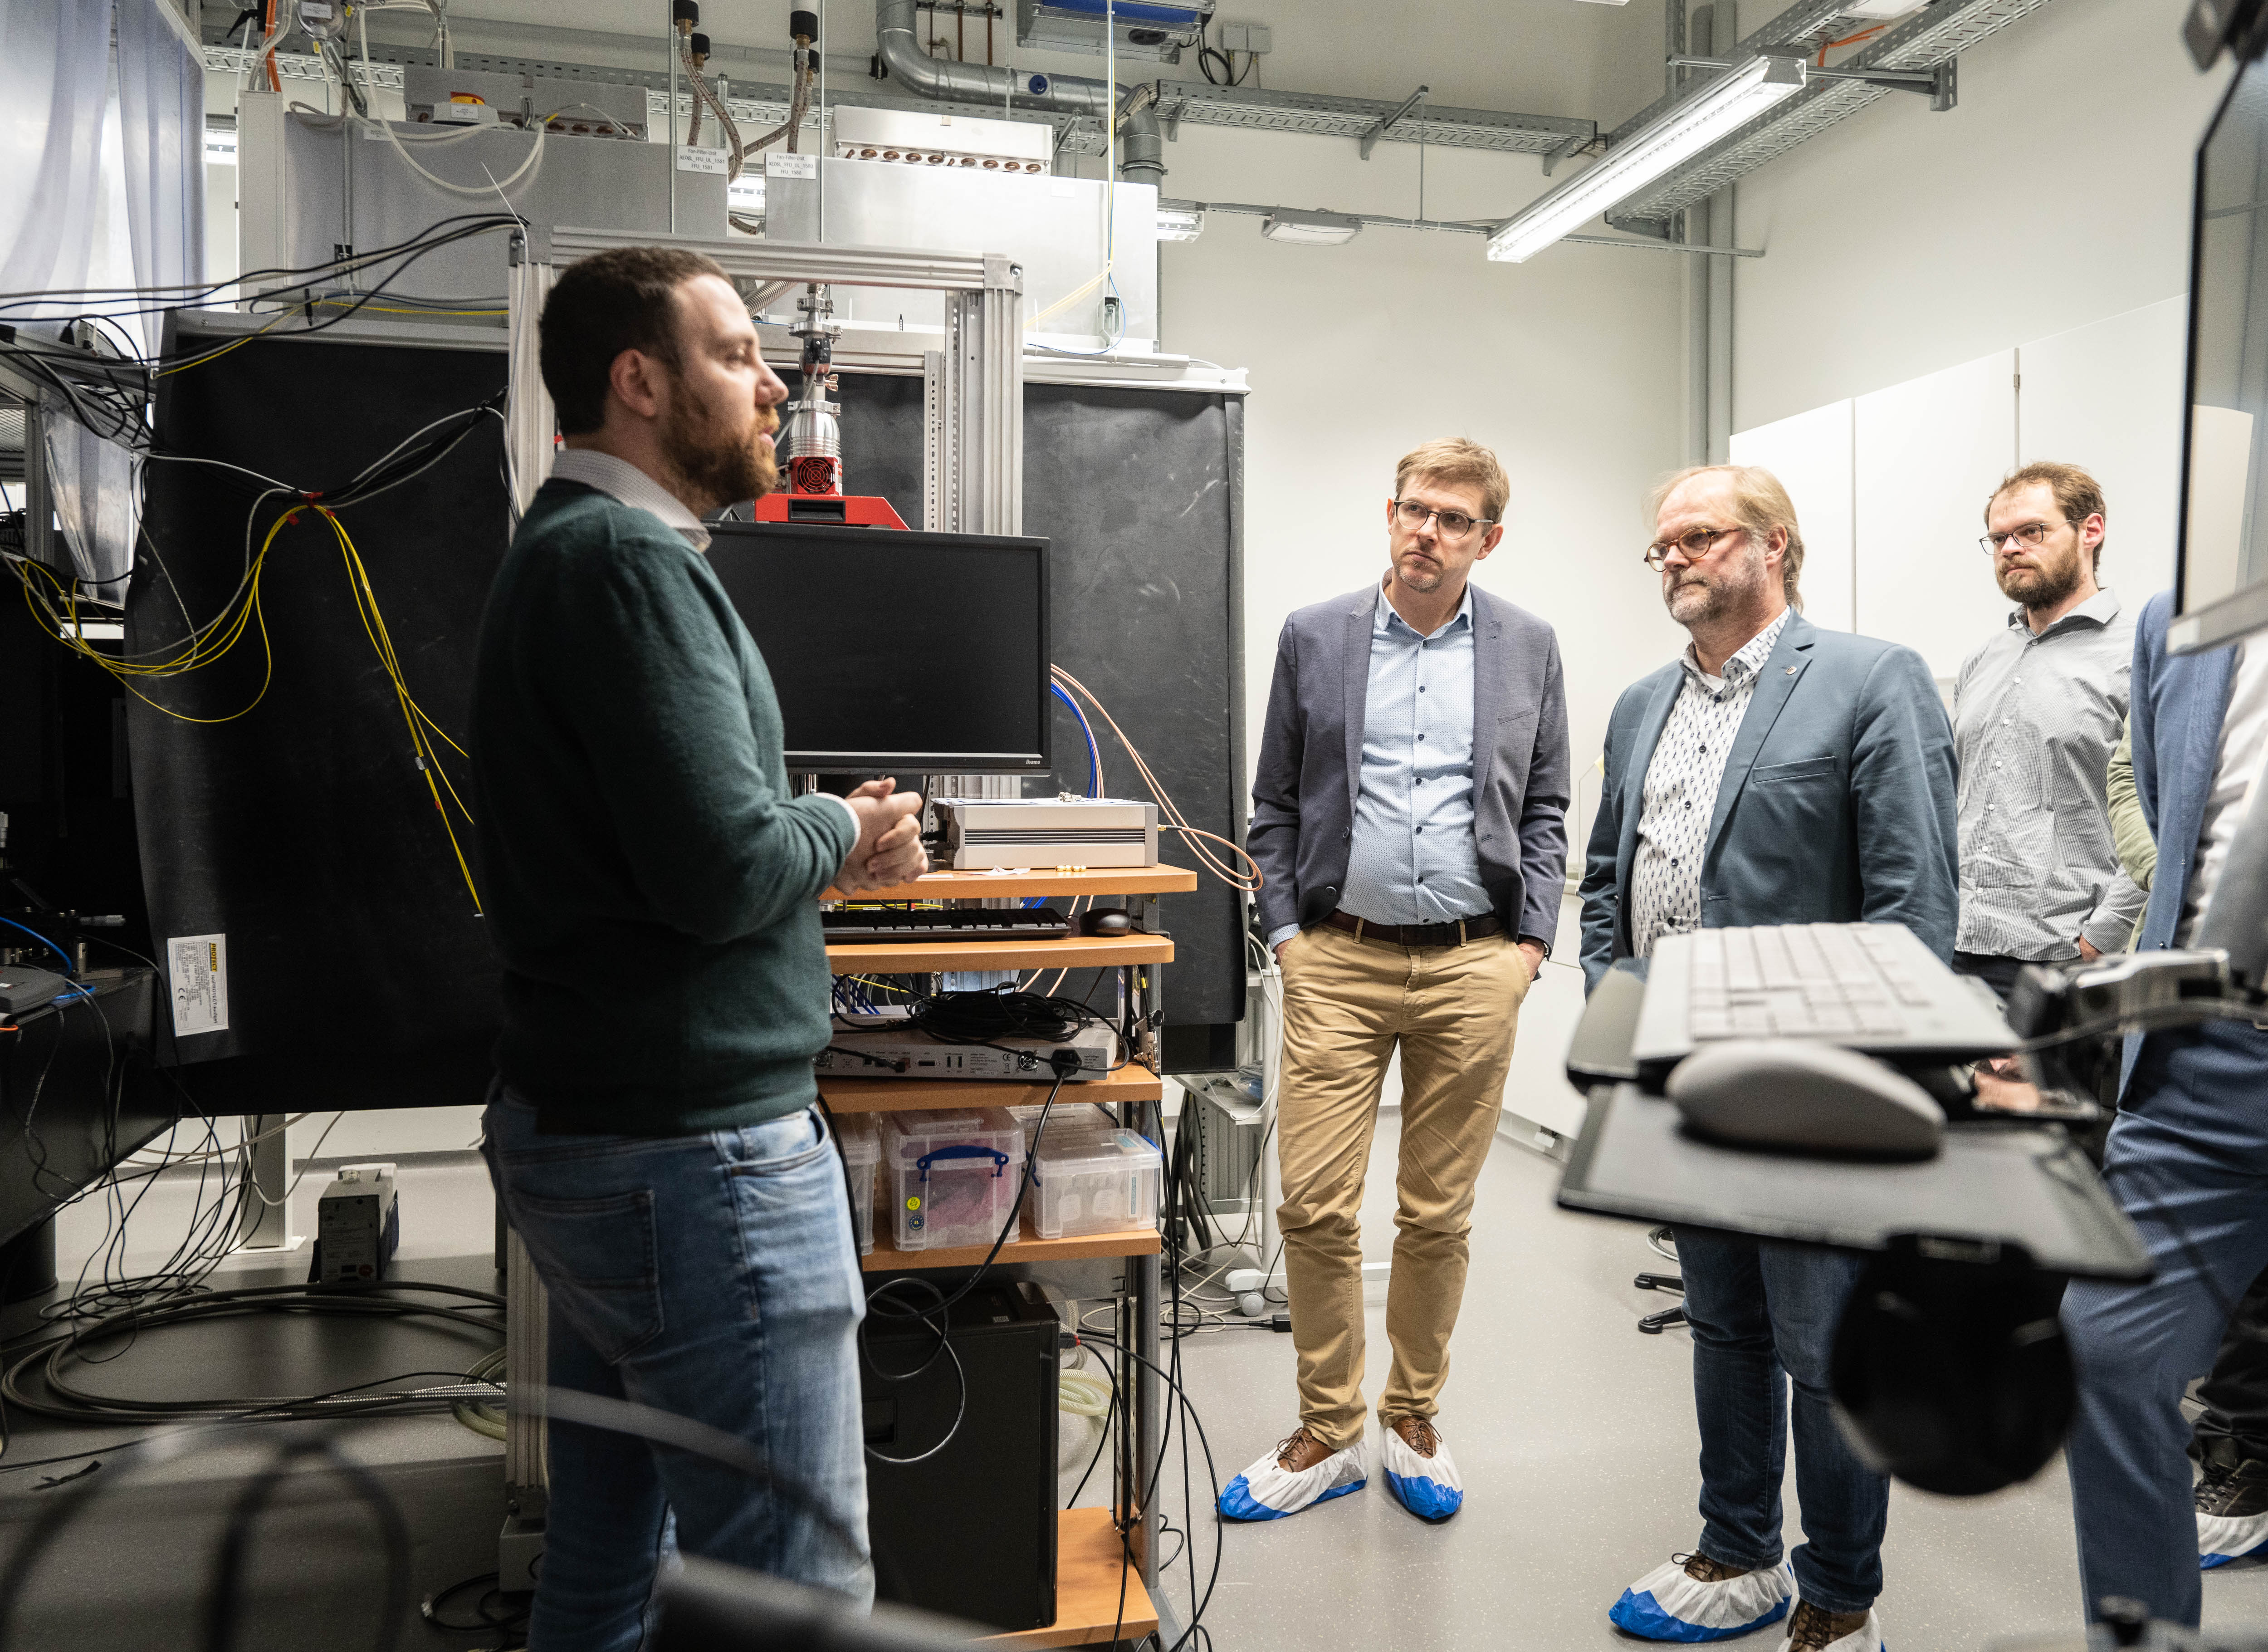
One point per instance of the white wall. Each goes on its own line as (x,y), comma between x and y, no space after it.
(1901,241)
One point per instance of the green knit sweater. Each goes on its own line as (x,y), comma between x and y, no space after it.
(647,876)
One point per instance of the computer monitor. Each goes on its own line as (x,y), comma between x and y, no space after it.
(2221,585)
(896,652)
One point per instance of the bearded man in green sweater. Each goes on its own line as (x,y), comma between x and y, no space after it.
(652,886)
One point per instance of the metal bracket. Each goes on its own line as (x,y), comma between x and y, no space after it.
(1386,122)
(1567,150)
(1940,86)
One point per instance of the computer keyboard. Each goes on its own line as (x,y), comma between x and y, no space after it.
(957,923)
(1805,980)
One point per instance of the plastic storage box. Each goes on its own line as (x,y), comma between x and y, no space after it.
(860,1142)
(952,1174)
(1093,1183)
(1069,1118)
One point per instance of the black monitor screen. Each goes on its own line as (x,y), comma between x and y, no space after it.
(896,652)
(2223,581)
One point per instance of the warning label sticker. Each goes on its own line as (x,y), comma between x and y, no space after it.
(198,965)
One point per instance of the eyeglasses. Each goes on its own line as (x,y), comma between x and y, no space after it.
(2031,534)
(1695,544)
(1454,524)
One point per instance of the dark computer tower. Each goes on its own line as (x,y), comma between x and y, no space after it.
(971,1531)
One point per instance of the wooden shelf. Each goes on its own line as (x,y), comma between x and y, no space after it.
(898,1095)
(973,886)
(1128,1241)
(922,957)
(1090,1562)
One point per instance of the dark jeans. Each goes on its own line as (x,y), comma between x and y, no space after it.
(713,1277)
(2189,1161)
(1996,972)
(2236,1396)
(1763,1313)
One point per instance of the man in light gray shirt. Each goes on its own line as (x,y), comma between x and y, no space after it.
(2037,713)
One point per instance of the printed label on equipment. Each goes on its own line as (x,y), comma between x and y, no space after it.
(791,166)
(692,159)
(198,965)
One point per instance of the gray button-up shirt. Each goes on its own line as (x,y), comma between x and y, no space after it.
(2034,721)
(1413,859)
(1680,794)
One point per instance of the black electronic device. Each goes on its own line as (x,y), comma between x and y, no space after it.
(968,1530)
(24,988)
(855,925)
(898,652)
(2221,568)
(1111,920)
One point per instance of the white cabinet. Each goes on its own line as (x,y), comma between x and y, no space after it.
(1811,454)
(1929,454)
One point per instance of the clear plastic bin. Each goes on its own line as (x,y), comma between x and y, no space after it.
(859,1141)
(1094,1184)
(951,1174)
(1069,1117)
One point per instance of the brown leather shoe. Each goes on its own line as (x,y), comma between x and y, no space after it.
(1417,1432)
(1702,1569)
(1302,1450)
(1810,1628)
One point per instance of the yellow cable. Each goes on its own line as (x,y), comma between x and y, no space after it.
(374,628)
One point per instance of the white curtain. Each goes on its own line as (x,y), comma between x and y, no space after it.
(55,57)
(80,151)
(161,109)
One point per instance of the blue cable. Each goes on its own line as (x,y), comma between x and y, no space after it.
(1093,751)
(69,967)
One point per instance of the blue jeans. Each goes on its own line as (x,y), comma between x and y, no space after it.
(1763,1313)
(2188,1158)
(715,1277)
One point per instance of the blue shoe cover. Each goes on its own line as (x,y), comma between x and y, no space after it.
(1666,1605)
(1266,1491)
(2225,1538)
(1429,1487)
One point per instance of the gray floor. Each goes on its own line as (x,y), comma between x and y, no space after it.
(1575,1434)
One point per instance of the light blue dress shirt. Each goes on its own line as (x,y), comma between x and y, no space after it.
(1413,859)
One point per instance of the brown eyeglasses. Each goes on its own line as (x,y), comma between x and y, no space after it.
(1454,524)
(1696,543)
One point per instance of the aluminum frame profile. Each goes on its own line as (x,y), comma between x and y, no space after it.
(1935,36)
(1255,109)
(978,446)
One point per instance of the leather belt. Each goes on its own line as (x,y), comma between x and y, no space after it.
(1418,935)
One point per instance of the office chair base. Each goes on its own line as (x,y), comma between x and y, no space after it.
(1654,1324)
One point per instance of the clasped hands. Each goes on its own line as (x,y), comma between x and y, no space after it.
(889,847)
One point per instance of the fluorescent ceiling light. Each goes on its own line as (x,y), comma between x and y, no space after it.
(1177,223)
(1310,229)
(1731,100)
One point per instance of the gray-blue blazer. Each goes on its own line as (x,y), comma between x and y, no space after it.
(1310,769)
(1836,804)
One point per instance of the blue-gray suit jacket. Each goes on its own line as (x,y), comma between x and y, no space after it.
(1310,771)
(2177,705)
(1836,804)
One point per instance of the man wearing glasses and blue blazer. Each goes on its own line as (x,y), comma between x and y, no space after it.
(1777,773)
(1410,818)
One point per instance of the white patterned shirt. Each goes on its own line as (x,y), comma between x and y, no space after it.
(1681,789)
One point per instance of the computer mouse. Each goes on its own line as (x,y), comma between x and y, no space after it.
(1109,921)
(1805,1097)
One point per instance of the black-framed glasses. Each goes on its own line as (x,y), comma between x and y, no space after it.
(1454,524)
(1695,544)
(2031,536)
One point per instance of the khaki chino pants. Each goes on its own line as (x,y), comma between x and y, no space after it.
(1347,1004)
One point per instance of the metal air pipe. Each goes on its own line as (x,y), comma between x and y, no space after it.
(1141,142)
